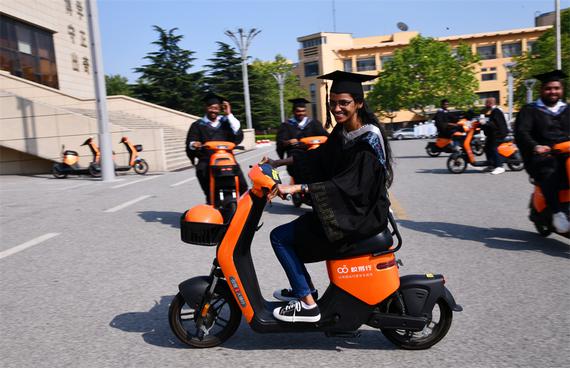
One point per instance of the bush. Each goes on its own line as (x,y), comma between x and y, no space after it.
(271,137)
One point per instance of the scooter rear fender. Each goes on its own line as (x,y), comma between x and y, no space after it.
(421,292)
(193,289)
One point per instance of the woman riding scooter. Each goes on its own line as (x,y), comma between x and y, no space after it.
(347,179)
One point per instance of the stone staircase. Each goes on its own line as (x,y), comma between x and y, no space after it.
(174,139)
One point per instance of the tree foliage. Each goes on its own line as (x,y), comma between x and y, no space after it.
(166,80)
(423,73)
(117,85)
(542,59)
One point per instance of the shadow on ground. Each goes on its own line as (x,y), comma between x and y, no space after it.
(155,330)
(447,172)
(493,237)
(164,217)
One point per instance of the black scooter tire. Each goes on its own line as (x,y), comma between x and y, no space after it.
(179,309)
(95,170)
(57,172)
(456,163)
(141,167)
(410,340)
(431,152)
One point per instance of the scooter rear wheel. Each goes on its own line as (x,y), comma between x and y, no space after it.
(435,330)
(141,167)
(221,321)
(57,172)
(430,151)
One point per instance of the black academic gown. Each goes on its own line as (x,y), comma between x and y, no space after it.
(537,126)
(442,119)
(291,130)
(201,131)
(347,184)
(496,128)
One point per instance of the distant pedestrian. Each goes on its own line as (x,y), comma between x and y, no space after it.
(445,121)
(495,128)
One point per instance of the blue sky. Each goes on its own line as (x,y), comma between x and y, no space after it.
(126,25)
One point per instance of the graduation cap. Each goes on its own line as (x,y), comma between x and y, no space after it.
(212,98)
(299,102)
(344,82)
(552,76)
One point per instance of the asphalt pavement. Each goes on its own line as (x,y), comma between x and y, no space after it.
(88,269)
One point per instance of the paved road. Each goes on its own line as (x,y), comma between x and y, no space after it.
(88,269)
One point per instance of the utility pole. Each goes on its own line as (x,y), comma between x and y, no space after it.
(557,25)
(242,41)
(106,164)
(280,77)
(529,84)
(509,67)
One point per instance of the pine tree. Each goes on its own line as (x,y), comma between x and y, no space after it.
(166,80)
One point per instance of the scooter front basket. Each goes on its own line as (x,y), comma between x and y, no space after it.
(138,147)
(201,233)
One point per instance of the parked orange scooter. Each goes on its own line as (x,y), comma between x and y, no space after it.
(413,312)
(540,214)
(224,179)
(307,143)
(70,162)
(135,161)
(457,162)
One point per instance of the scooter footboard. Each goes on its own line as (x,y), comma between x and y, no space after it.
(193,289)
(421,292)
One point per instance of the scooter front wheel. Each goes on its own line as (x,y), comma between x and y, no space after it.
(435,330)
(456,163)
(58,172)
(94,170)
(220,322)
(141,167)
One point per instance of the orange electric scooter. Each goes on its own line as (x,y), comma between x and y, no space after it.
(70,162)
(306,143)
(413,312)
(136,162)
(457,162)
(540,214)
(453,144)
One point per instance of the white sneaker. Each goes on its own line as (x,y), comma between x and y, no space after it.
(497,171)
(560,223)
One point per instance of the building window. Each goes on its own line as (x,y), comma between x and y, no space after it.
(385,59)
(347,63)
(27,52)
(363,65)
(311,69)
(529,46)
(487,52)
(312,42)
(313,92)
(485,95)
(512,49)
(489,76)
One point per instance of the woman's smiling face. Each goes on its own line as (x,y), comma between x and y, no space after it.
(343,106)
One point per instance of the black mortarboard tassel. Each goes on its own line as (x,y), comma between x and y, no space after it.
(552,76)
(344,82)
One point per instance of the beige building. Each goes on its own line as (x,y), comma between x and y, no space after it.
(47,95)
(324,52)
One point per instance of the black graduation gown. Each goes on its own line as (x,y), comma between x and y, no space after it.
(347,184)
(290,130)
(496,128)
(442,119)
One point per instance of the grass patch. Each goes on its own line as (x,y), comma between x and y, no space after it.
(271,137)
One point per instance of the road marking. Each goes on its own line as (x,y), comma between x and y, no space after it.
(183,182)
(126,204)
(28,244)
(76,186)
(398,209)
(136,181)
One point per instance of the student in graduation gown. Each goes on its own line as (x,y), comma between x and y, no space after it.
(496,130)
(297,127)
(213,127)
(445,121)
(347,179)
(540,125)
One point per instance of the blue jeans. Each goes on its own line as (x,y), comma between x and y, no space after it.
(282,240)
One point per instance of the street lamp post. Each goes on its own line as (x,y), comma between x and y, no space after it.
(529,84)
(242,40)
(509,67)
(280,77)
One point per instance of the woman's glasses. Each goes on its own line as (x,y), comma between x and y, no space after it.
(341,103)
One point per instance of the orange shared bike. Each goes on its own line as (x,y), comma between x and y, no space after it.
(413,311)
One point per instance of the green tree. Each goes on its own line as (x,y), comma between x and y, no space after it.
(423,73)
(166,80)
(543,59)
(117,85)
(224,77)
(265,91)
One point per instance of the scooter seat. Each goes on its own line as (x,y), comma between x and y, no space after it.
(374,244)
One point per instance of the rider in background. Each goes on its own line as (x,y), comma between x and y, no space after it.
(540,125)
(347,179)
(297,127)
(495,128)
(445,121)
(213,127)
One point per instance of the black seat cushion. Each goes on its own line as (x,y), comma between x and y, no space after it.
(374,244)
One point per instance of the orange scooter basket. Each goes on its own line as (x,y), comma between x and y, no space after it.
(202,225)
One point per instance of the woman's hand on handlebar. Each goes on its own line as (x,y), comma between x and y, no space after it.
(285,190)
